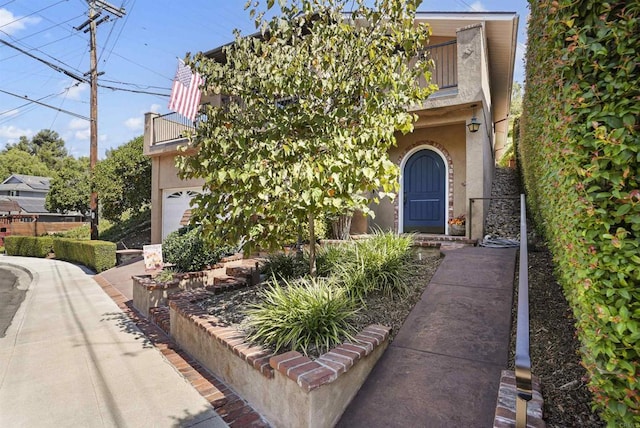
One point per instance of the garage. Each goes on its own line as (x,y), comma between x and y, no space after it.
(174,203)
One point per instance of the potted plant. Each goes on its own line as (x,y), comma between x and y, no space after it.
(457,225)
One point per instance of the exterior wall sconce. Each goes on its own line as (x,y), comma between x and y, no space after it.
(474,125)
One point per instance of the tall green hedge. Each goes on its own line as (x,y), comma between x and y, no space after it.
(580,152)
(30,246)
(97,255)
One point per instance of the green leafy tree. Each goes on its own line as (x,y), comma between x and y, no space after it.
(46,145)
(123,180)
(313,105)
(16,161)
(69,189)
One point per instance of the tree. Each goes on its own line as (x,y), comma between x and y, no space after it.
(46,145)
(16,161)
(123,180)
(69,190)
(313,104)
(515,111)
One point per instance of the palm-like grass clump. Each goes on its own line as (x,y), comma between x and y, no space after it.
(314,313)
(307,314)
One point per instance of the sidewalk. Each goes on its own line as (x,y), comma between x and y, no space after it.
(72,358)
(443,368)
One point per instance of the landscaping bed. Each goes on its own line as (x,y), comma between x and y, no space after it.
(287,387)
(229,307)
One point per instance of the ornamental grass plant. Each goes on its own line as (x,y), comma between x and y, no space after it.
(315,313)
(382,263)
(309,314)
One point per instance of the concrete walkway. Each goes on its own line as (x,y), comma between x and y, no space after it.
(71,358)
(443,368)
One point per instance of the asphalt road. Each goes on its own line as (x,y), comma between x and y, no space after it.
(12,294)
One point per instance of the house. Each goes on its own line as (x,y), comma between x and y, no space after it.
(446,164)
(26,192)
(22,208)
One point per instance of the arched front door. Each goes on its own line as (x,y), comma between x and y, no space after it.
(424,193)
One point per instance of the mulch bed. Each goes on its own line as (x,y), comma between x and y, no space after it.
(554,349)
(229,306)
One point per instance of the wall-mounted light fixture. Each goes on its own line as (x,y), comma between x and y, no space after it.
(474,125)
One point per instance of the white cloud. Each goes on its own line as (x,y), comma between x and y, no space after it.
(478,7)
(11,24)
(82,134)
(13,133)
(155,108)
(78,124)
(134,123)
(79,129)
(76,91)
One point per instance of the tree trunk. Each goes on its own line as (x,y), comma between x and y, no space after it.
(312,246)
(341,227)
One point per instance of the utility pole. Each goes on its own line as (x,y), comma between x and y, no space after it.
(95,10)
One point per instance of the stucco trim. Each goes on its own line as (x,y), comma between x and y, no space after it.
(448,163)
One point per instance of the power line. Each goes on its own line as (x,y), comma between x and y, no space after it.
(75,76)
(45,105)
(32,13)
(55,67)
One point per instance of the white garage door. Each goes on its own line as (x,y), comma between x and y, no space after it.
(174,203)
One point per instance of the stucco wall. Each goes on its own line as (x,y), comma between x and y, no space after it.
(164,175)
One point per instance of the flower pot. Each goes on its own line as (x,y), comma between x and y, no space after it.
(457,229)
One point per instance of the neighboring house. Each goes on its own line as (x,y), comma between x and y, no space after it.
(25,195)
(445,168)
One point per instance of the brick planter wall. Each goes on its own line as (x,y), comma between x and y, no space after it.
(148,293)
(290,389)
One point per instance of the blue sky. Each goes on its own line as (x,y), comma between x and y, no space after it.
(137,52)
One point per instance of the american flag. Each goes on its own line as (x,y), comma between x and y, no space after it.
(185,93)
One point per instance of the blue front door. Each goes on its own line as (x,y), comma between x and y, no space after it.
(424,198)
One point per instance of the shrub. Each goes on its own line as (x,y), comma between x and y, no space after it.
(285,266)
(79,233)
(580,150)
(188,252)
(165,275)
(330,257)
(97,255)
(29,246)
(382,263)
(308,314)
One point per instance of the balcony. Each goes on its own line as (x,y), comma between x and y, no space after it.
(170,128)
(445,59)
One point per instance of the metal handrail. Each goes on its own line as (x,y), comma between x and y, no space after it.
(524,387)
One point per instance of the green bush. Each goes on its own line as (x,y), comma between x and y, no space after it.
(285,266)
(580,153)
(188,252)
(29,246)
(97,255)
(330,257)
(129,224)
(82,232)
(305,315)
(382,263)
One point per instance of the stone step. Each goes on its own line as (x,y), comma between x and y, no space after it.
(443,241)
(225,283)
